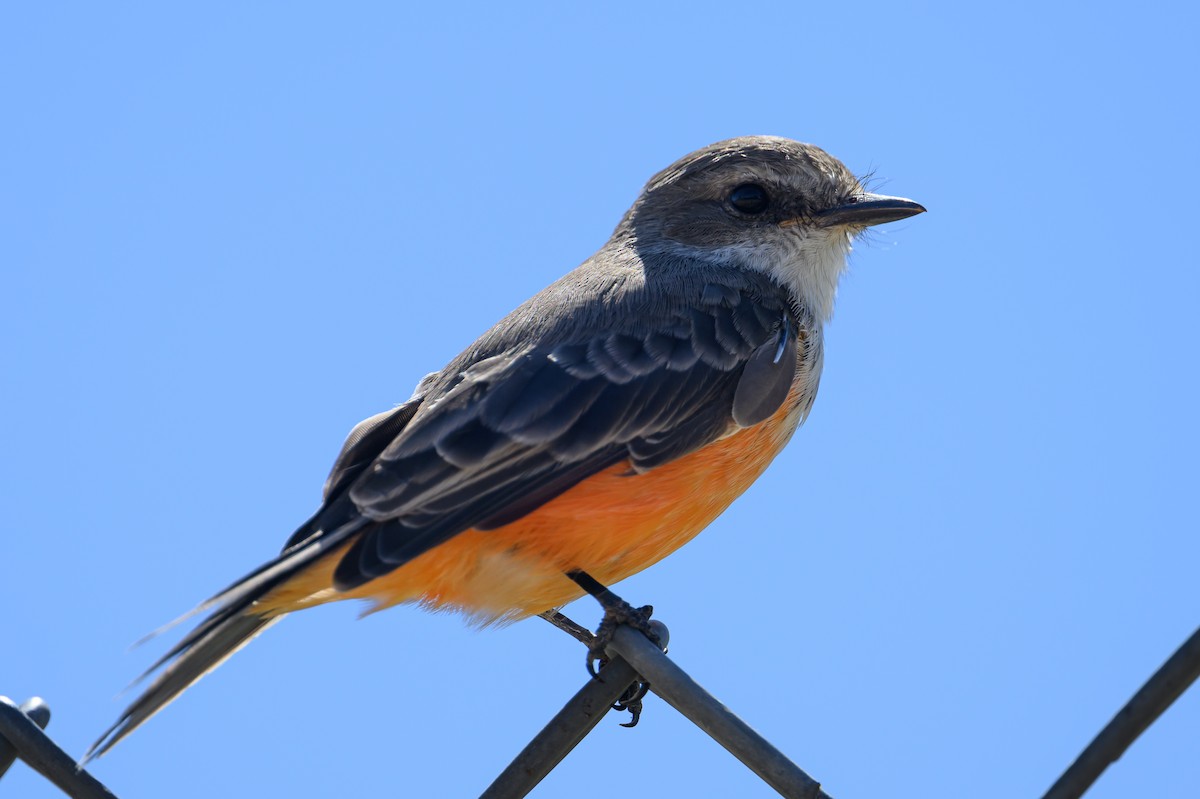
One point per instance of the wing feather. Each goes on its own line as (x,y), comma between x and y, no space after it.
(508,438)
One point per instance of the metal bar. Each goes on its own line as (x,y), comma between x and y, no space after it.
(563,733)
(1150,702)
(35,709)
(44,756)
(685,695)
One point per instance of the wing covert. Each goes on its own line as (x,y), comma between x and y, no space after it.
(536,420)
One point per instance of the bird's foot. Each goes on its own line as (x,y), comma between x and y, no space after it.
(617,612)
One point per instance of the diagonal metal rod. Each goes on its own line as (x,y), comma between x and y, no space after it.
(45,756)
(563,733)
(1150,702)
(684,694)
(634,657)
(39,712)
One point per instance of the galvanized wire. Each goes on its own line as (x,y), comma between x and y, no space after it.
(684,694)
(1151,701)
(634,657)
(29,743)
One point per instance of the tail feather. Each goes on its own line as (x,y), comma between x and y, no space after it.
(201,658)
(241,595)
(231,625)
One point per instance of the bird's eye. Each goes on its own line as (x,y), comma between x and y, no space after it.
(749,198)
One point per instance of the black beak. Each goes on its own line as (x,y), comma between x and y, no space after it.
(864,210)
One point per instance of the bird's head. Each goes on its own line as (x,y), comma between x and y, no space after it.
(770,204)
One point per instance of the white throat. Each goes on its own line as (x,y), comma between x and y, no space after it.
(808,264)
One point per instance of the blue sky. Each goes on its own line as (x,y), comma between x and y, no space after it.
(231,232)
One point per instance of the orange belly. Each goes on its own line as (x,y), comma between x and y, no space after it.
(611,525)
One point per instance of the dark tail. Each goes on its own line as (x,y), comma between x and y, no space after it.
(199,659)
(231,625)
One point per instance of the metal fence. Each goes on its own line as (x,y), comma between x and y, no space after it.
(634,659)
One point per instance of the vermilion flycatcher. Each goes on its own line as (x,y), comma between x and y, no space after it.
(593,430)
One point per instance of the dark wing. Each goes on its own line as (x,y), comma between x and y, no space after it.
(508,434)
(523,426)
(368,438)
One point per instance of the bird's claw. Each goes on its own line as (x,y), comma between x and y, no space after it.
(631,700)
(614,616)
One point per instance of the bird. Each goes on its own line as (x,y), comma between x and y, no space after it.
(591,432)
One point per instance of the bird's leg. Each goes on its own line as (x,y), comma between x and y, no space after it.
(616,612)
(577,631)
(631,699)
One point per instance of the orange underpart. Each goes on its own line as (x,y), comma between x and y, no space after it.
(611,525)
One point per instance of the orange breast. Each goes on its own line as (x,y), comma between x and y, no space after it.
(611,525)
